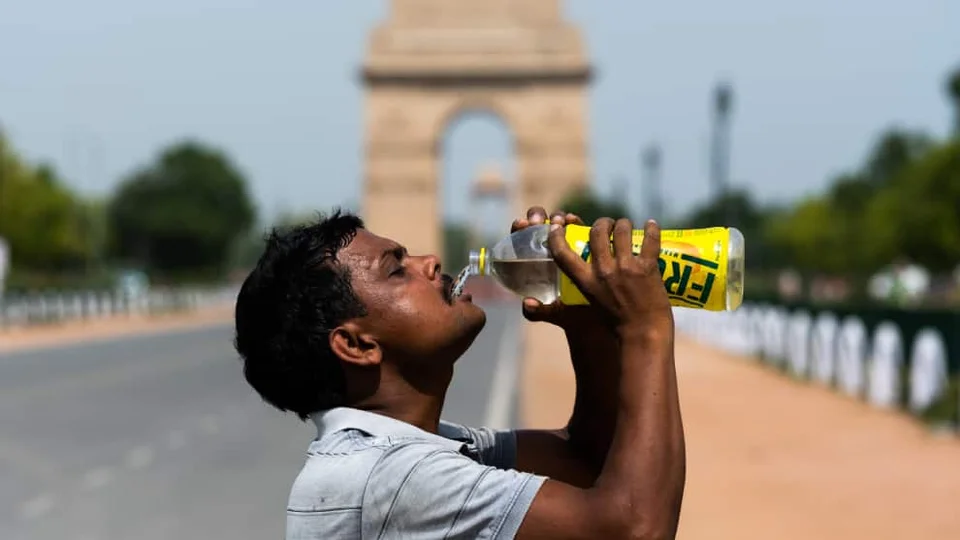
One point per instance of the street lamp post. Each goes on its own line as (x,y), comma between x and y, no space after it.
(720,146)
(650,161)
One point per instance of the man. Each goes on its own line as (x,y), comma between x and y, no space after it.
(346,328)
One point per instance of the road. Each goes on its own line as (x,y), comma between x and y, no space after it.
(159,437)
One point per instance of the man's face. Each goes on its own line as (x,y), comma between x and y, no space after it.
(409,306)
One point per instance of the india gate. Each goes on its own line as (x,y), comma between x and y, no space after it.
(432,60)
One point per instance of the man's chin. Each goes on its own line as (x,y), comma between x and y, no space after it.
(474,314)
(472,320)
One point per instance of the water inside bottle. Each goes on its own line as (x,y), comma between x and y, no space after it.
(536,278)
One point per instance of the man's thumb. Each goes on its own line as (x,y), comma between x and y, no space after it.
(535,311)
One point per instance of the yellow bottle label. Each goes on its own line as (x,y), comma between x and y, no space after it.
(693,263)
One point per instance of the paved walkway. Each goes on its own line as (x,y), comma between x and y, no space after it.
(769,458)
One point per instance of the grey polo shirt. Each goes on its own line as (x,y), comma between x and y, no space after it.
(368,476)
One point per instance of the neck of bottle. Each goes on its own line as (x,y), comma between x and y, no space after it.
(479,262)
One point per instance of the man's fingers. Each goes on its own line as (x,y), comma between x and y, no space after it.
(650,250)
(568,261)
(623,240)
(535,311)
(574,219)
(600,242)
(536,215)
(532,309)
(566,218)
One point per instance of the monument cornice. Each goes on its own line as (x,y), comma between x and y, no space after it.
(453,77)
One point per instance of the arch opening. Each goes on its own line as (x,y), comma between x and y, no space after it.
(476,150)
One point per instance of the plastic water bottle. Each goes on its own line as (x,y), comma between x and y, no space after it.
(701,268)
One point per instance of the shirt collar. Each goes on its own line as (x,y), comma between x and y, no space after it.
(378,425)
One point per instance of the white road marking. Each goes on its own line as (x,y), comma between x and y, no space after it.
(97,478)
(37,507)
(504,376)
(139,457)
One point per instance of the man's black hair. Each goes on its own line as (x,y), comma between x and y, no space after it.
(287,307)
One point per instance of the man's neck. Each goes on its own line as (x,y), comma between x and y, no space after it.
(414,399)
(417,410)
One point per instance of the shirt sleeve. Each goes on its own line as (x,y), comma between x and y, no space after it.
(425,491)
(496,447)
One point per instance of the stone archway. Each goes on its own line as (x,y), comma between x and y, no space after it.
(432,60)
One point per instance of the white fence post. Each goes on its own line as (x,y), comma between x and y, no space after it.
(46,308)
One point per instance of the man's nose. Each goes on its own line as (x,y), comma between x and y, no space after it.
(431,266)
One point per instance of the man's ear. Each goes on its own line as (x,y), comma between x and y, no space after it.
(352,345)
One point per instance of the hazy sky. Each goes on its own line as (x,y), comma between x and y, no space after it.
(99,86)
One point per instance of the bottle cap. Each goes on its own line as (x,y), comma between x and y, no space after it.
(736,250)
(478,262)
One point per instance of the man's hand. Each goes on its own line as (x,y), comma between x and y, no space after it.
(582,320)
(628,288)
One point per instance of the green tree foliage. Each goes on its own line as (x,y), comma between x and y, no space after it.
(747,216)
(743,211)
(590,207)
(456,246)
(812,237)
(894,151)
(860,224)
(919,216)
(183,214)
(44,223)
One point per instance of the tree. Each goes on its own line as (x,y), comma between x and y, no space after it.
(590,207)
(748,217)
(746,214)
(183,214)
(850,193)
(923,209)
(456,246)
(813,238)
(854,228)
(41,219)
(894,151)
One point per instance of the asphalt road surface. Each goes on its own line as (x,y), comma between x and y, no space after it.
(159,437)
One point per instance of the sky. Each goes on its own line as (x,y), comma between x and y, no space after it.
(98,87)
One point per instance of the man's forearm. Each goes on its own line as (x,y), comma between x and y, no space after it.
(646,466)
(596,365)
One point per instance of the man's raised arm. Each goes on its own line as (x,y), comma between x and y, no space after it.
(639,490)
